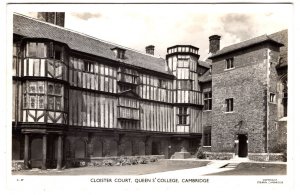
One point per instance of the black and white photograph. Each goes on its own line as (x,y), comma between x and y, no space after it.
(125,95)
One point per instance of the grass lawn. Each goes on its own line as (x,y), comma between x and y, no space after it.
(256,169)
(141,169)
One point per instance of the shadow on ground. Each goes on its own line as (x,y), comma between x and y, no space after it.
(255,169)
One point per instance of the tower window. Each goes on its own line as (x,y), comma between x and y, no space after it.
(272,97)
(229,105)
(229,63)
(182,115)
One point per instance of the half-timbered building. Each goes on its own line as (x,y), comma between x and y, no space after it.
(76,96)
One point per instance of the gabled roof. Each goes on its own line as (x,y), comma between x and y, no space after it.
(33,28)
(204,64)
(206,77)
(245,44)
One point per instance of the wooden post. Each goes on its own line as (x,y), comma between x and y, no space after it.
(44,160)
(59,152)
(26,151)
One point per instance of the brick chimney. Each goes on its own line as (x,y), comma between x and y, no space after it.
(214,43)
(150,49)
(57,18)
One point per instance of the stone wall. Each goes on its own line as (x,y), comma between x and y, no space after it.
(267,157)
(246,84)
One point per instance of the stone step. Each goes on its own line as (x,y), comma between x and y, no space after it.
(231,165)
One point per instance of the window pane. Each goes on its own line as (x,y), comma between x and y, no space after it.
(58,105)
(25,104)
(41,50)
(41,87)
(32,100)
(50,88)
(51,102)
(32,87)
(57,89)
(50,68)
(58,70)
(32,50)
(41,102)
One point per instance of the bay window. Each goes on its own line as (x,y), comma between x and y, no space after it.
(43,95)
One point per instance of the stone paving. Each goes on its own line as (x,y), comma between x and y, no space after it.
(215,166)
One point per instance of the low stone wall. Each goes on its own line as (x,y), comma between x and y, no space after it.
(17,165)
(112,161)
(219,155)
(263,157)
(267,157)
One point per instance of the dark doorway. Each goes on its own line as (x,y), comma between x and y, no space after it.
(155,148)
(243,145)
(36,153)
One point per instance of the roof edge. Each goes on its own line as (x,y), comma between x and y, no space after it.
(247,46)
(86,35)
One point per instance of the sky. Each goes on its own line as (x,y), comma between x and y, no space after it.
(163,25)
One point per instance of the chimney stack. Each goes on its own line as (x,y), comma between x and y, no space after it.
(214,43)
(150,49)
(57,18)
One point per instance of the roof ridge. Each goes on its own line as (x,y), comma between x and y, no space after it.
(245,40)
(86,35)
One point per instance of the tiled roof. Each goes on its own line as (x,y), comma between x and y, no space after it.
(244,44)
(205,77)
(282,37)
(33,28)
(204,64)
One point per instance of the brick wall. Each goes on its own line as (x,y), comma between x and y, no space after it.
(247,85)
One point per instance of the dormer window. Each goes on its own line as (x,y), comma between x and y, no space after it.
(119,52)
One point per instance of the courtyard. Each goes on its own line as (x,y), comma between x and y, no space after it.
(172,167)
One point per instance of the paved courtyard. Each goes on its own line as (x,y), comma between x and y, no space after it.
(189,167)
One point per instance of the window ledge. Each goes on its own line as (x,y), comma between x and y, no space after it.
(206,146)
(206,110)
(229,112)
